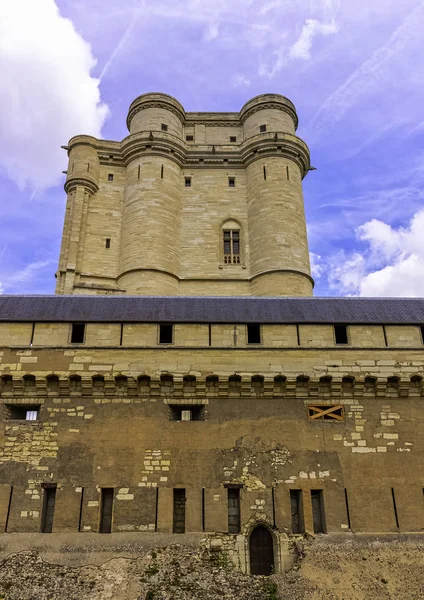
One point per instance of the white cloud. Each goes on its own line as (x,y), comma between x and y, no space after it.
(302,47)
(241,81)
(317,266)
(47,93)
(392,264)
(212,32)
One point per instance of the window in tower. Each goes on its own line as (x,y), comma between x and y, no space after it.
(233,139)
(187,181)
(231,182)
(161,172)
(107,245)
(264,172)
(110,177)
(164,127)
(262,128)
(231,246)
(189,138)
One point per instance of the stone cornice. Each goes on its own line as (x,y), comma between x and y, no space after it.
(73,182)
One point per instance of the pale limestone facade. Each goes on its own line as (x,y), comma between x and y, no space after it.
(164,238)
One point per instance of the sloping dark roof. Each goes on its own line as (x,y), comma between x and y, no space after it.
(145,309)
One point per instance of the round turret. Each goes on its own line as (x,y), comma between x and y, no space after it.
(268,113)
(83,165)
(156,112)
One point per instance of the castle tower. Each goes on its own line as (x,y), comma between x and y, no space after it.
(189,204)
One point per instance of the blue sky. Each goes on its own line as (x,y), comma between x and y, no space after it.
(353,69)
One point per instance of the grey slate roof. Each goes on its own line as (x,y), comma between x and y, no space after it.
(181,309)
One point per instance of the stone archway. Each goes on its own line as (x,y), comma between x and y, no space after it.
(261,551)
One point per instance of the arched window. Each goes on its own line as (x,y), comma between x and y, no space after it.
(231,243)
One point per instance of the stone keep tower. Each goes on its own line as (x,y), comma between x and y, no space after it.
(189,204)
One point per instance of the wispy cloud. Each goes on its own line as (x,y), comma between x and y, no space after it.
(302,47)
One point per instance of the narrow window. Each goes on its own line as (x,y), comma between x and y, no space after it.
(110,177)
(233,139)
(262,128)
(385,335)
(395,508)
(333,412)
(203,509)
(107,245)
(233,510)
(180,412)
(179,510)
(77,333)
(161,172)
(347,509)
(340,333)
(231,246)
(189,138)
(288,173)
(80,510)
(231,182)
(264,172)
(318,515)
(297,518)
(187,181)
(106,509)
(23,413)
(49,499)
(138,172)
(165,334)
(253,333)
(164,127)
(88,167)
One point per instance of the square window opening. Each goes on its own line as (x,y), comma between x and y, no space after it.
(179,412)
(327,412)
(187,181)
(110,177)
(253,333)
(233,139)
(166,334)
(340,333)
(77,333)
(23,412)
(231,182)
(262,128)
(189,138)
(164,127)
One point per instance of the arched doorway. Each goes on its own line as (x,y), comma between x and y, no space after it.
(261,551)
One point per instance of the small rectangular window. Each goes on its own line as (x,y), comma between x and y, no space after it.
(49,499)
(318,514)
(253,333)
(192,412)
(189,138)
(328,412)
(161,172)
(110,177)
(297,518)
(340,333)
(107,245)
(166,334)
(231,182)
(179,510)
(233,510)
(233,139)
(106,510)
(187,181)
(20,412)
(262,128)
(77,333)
(164,127)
